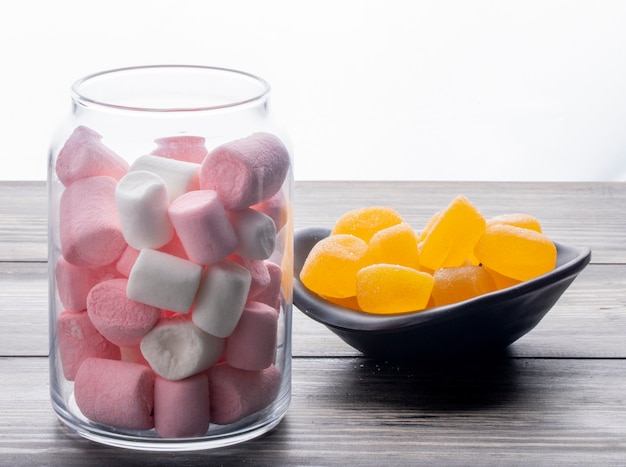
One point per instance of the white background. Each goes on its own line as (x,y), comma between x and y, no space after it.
(452,90)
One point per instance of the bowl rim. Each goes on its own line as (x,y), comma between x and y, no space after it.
(570,261)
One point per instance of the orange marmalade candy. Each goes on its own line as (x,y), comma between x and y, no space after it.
(452,236)
(516,252)
(394,245)
(331,266)
(502,282)
(389,288)
(454,285)
(525,221)
(346,302)
(365,222)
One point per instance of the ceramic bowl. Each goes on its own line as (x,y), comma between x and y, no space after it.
(486,323)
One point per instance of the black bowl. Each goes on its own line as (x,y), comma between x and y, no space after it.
(484,324)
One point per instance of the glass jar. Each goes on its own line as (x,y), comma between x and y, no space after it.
(170,259)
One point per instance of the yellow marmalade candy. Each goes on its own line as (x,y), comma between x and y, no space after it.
(394,245)
(450,239)
(516,252)
(331,266)
(454,285)
(525,221)
(365,222)
(388,289)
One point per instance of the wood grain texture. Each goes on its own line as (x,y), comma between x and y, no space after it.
(349,411)
(569,211)
(588,321)
(557,396)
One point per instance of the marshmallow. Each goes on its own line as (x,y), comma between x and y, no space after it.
(118,318)
(179,176)
(181,408)
(176,348)
(276,207)
(175,248)
(133,355)
(90,230)
(246,171)
(270,294)
(258,272)
(252,345)
(115,393)
(235,394)
(84,155)
(126,261)
(74,283)
(183,148)
(164,281)
(78,339)
(255,231)
(203,227)
(221,298)
(142,203)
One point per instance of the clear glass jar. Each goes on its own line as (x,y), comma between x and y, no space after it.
(170,259)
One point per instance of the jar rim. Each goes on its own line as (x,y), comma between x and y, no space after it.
(170,88)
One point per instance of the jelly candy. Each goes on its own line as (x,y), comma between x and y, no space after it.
(516,252)
(461,283)
(365,222)
(525,221)
(388,289)
(394,245)
(501,281)
(331,266)
(451,239)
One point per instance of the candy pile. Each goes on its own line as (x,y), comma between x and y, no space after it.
(373,261)
(170,280)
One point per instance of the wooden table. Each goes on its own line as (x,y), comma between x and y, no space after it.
(557,397)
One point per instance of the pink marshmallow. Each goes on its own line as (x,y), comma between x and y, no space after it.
(74,282)
(142,202)
(126,261)
(181,408)
(90,230)
(258,272)
(78,339)
(118,318)
(176,348)
(133,355)
(203,227)
(252,345)
(164,281)
(115,393)
(270,294)
(175,248)
(246,171)
(221,298)
(84,155)
(183,148)
(255,231)
(179,176)
(235,394)
(276,207)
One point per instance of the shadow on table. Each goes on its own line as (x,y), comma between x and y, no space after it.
(472,383)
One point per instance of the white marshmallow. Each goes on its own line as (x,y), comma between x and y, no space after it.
(221,298)
(179,176)
(176,348)
(255,231)
(164,281)
(142,201)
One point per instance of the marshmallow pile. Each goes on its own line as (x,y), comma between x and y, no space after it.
(170,281)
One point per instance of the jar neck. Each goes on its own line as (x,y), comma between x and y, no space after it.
(174,99)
